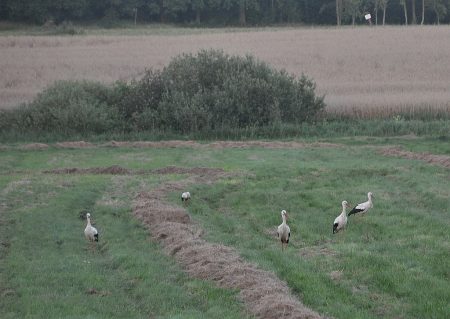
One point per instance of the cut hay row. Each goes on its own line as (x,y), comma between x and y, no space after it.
(176,144)
(440,160)
(263,293)
(119,170)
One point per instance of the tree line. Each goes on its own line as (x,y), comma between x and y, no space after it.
(228,12)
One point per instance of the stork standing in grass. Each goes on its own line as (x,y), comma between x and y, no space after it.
(185,197)
(341,220)
(363,207)
(283,231)
(90,232)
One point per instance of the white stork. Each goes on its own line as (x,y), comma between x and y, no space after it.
(185,196)
(283,231)
(90,232)
(363,207)
(341,220)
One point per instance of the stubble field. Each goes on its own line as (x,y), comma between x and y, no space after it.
(364,72)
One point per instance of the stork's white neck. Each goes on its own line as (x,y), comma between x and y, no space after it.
(88,221)
(284,219)
(343,210)
(370,200)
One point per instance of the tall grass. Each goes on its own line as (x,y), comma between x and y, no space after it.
(324,129)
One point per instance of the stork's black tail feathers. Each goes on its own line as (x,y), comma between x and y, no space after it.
(354,211)
(96,237)
(335,228)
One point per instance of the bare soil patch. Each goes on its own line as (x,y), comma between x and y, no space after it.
(315,251)
(182,144)
(145,144)
(441,160)
(112,170)
(219,144)
(336,275)
(263,293)
(262,144)
(200,174)
(34,147)
(77,144)
(100,293)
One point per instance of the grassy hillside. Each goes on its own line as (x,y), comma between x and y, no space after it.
(393,262)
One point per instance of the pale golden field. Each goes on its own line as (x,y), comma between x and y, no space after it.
(366,70)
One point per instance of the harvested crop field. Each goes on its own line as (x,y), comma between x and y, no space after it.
(362,71)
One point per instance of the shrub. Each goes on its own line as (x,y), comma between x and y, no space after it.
(213,90)
(65,28)
(66,107)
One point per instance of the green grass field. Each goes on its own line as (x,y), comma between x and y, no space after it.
(392,263)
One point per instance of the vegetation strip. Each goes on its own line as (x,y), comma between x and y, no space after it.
(119,170)
(177,143)
(263,293)
(441,160)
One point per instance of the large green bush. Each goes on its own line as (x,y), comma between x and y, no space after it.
(212,90)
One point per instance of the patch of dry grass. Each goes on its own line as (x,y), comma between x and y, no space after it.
(363,71)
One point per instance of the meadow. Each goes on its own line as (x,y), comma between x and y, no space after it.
(391,263)
(363,72)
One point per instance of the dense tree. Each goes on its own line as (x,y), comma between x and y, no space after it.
(226,12)
(405,10)
(384,4)
(339,11)
(352,9)
(413,12)
(440,8)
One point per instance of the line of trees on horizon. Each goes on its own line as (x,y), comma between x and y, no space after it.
(228,12)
